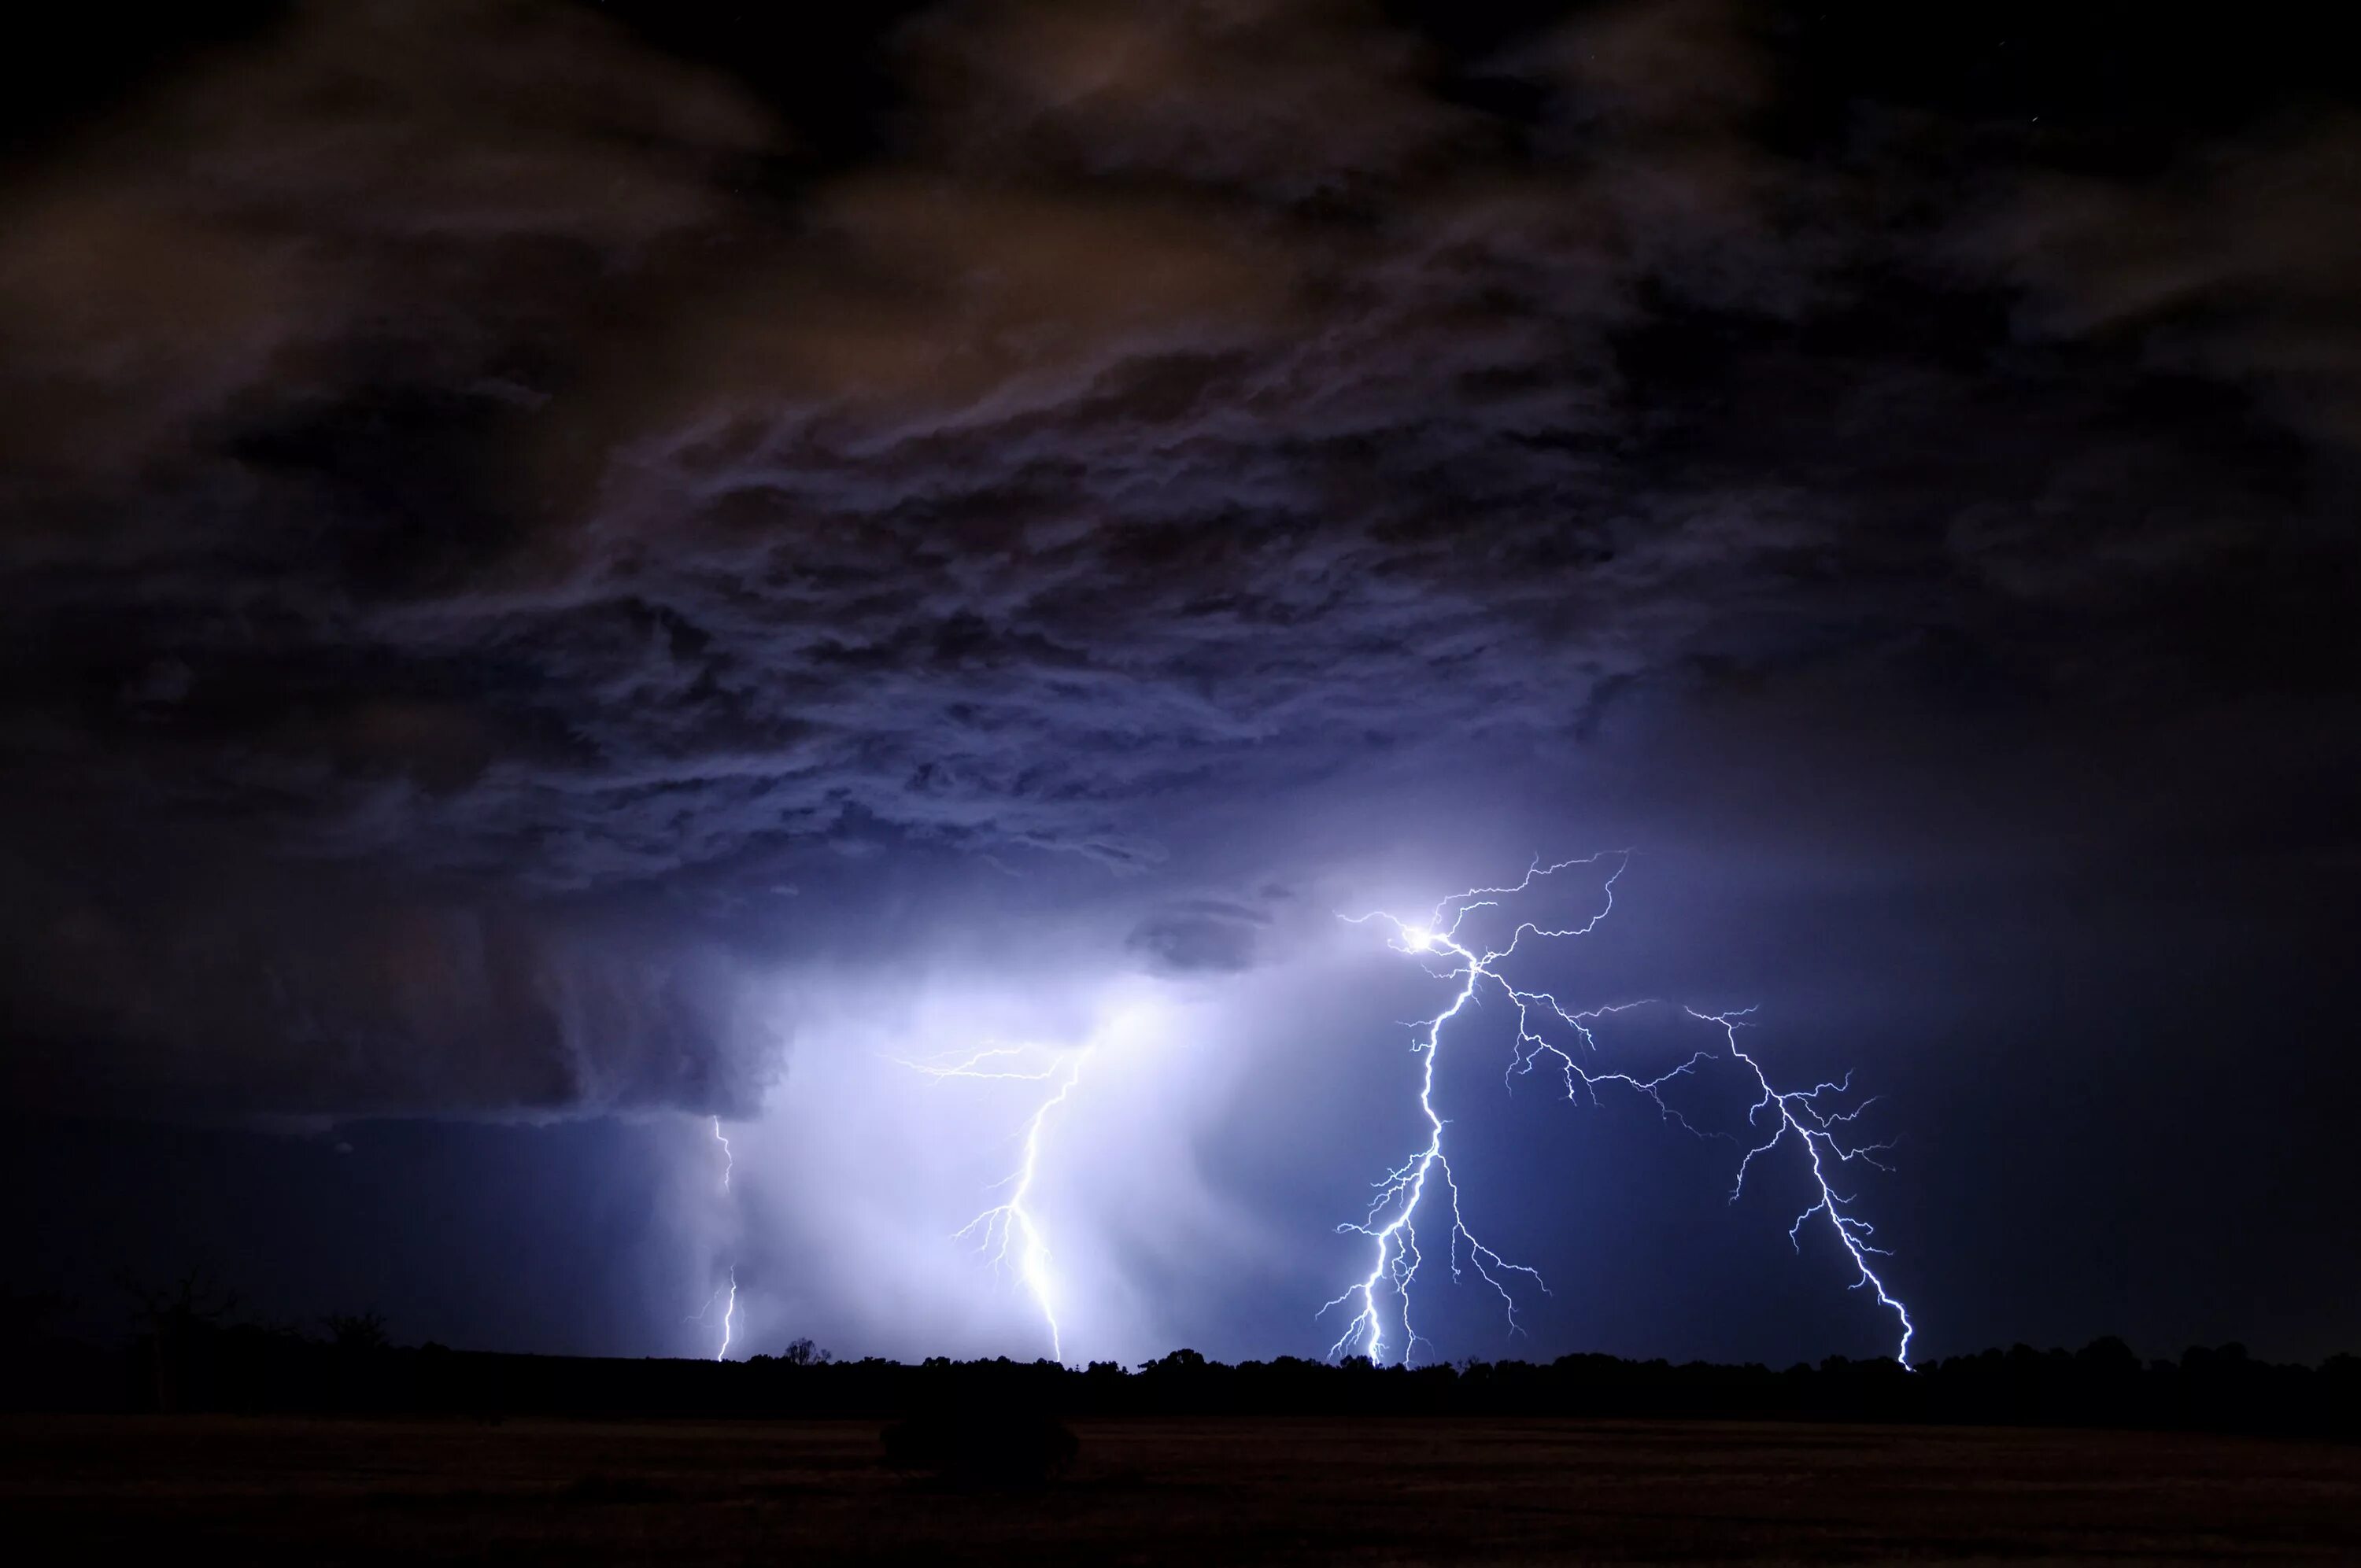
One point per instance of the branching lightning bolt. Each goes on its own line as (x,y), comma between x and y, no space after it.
(1390,1222)
(1010,1226)
(1799,1111)
(727,1294)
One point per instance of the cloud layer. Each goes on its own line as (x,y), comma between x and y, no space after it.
(491,560)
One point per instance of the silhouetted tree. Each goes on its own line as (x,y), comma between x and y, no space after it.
(180,1318)
(356,1333)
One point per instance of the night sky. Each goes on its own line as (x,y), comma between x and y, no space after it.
(568,570)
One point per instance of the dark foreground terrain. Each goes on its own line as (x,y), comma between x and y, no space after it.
(1190,1491)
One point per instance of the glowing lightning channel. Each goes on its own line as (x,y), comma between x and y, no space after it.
(1799,1113)
(730,1308)
(728,1294)
(1390,1222)
(728,1316)
(1011,1224)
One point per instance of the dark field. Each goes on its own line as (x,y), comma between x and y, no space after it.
(1200,1491)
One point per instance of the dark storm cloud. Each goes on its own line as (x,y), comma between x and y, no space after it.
(1200,935)
(2235,264)
(297,995)
(503,545)
(377,190)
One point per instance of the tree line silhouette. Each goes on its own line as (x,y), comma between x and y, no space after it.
(190,1349)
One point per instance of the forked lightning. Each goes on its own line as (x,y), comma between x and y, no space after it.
(1392,1219)
(1012,1225)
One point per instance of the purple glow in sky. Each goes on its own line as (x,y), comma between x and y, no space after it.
(579,580)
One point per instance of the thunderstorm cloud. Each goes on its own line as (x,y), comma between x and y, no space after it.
(516,534)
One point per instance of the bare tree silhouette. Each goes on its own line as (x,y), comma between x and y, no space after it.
(176,1317)
(356,1333)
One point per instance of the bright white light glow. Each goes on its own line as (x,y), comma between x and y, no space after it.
(1010,1231)
(1546,1028)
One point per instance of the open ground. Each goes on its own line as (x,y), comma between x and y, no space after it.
(1193,1491)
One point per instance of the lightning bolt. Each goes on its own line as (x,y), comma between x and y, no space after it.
(1390,1224)
(1011,1227)
(728,1294)
(1799,1111)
